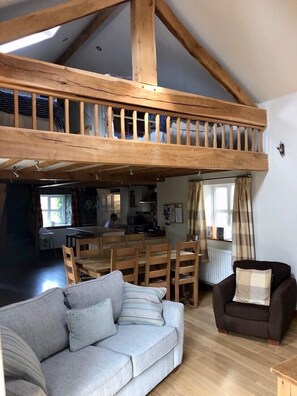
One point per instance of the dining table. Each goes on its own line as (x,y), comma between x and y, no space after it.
(100,264)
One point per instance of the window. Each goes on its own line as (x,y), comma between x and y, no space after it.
(56,210)
(218,208)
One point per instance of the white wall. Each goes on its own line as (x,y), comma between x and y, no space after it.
(275,193)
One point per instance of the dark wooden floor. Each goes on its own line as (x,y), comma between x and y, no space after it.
(24,277)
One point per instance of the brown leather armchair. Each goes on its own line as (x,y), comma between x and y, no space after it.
(270,322)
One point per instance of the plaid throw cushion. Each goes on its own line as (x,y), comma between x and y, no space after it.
(142,305)
(253,286)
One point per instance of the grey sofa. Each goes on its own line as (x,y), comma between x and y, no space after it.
(131,362)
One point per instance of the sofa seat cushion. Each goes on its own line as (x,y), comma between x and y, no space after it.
(89,371)
(40,321)
(144,343)
(89,293)
(247,311)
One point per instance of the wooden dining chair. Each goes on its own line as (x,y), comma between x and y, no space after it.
(126,261)
(157,266)
(134,240)
(86,247)
(112,242)
(185,269)
(72,273)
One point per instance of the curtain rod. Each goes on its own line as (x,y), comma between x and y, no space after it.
(219,178)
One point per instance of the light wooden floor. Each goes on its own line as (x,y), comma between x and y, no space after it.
(230,365)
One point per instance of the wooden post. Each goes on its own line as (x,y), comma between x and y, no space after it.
(144,58)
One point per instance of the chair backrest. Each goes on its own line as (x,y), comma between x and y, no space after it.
(72,273)
(126,260)
(86,247)
(187,264)
(134,240)
(280,271)
(112,242)
(192,237)
(157,266)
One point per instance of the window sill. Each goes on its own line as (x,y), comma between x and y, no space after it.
(220,240)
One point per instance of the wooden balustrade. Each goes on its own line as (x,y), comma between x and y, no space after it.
(138,123)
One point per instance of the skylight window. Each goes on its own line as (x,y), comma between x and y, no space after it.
(28,40)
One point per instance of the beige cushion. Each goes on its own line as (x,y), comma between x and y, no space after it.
(253,286)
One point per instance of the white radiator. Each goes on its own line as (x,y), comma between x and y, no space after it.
(218,267)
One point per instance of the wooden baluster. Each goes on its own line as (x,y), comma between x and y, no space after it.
(188,132)
(260,141)
(231,137)
(134,123)
(157,127)
(215,135)
(82,117)
(34,112)
(246,139)
(66,113)
(238,138)
(109,122)
(197,133)
(223,136)
(168,129)
(146,127)
(51,113)
(16,108)
(254,132)
(96,120)
(122,116)
(206,134)
(178,130)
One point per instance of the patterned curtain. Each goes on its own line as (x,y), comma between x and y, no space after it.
(74,205)
(196,216)
(243,246)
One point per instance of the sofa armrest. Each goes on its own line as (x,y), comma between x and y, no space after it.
(173,314)
(223,292)
(20,387)
(282,309)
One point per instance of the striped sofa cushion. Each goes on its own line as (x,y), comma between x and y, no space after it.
(19,360)
(142,305)
(253,286)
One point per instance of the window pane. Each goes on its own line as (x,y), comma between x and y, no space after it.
(221,219)
(43,202)
(221,198)
(232,196)
(56,202)
(56,217)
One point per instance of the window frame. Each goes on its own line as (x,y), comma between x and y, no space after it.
(212,185)
(49,210)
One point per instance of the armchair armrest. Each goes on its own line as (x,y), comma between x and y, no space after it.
(173,314)
(20,387)
(282,309)
(223,292)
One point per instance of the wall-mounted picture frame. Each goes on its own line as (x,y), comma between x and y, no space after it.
(173,213)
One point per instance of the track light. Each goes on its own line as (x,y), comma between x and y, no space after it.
(131,171)
(37,166)
(15,172)
(96,175)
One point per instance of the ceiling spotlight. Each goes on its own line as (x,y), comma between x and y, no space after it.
(37,166)
(15,172)
(96,175)
(131,171)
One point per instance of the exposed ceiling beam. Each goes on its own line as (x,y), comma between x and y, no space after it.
(52,79)
(9,163)
(143,42)
(95,24)
(47,18)
(174,25)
